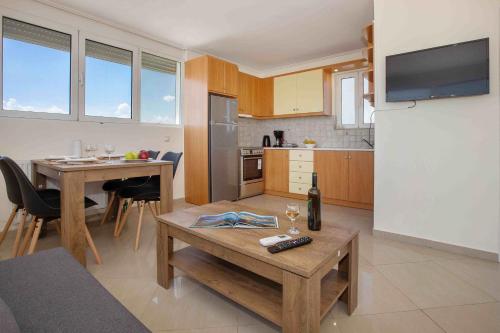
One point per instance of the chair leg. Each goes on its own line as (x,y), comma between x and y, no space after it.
(7,225)
(58,226)
(19,233)
(90,241)
(36,235)
(27,236)
(153,210)
(108,207)
(139,225)
(124,218)
(119,215)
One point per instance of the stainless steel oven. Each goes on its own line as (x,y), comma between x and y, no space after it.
(251,172)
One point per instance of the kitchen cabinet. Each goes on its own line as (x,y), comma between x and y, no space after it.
(222,77)
(333,173)
(265,97)
(247,96)
(345,177)
(303,93)
(301,168)
(361,177)
(276,170)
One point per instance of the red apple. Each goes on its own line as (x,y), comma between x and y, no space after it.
(143,155)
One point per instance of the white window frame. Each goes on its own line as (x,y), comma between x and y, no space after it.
(73,103)
(358,95)
(178,86)
(135,106)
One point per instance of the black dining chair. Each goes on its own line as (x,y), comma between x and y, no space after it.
(114,185)
(15,197)
(43,207)
(148,193)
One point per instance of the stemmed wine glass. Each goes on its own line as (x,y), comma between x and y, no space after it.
(292,211)
(90,149)
(109,149)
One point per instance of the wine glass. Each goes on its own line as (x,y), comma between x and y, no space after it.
(109,149)
(292,211)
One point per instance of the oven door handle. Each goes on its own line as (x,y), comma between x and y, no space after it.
(252,158)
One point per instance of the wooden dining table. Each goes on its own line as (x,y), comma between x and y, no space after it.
(72,179)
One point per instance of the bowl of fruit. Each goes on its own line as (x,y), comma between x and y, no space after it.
(133,156)
(309,143)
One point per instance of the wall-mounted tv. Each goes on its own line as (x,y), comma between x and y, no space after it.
(447,71)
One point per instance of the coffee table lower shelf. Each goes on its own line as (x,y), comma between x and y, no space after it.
(248,289)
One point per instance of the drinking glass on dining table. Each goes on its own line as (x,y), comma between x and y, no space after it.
(109,149)
(90,148)
(293,211)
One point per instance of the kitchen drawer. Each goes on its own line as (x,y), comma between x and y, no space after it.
(301,155)
(298,188)
(301,166)
(301,177)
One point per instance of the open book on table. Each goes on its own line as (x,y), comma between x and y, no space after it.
(236,220)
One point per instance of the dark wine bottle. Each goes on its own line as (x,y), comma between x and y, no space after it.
(314,205)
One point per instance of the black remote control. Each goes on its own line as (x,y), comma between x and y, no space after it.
(289,244)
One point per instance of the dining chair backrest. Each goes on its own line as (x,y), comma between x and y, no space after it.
(32,201)
(13,191)
(172,157)
(153,154)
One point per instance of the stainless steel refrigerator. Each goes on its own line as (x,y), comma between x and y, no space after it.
(223,148)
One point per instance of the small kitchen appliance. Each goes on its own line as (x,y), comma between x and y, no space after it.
(280,138)
(266,141)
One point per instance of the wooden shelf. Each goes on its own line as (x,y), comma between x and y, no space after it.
(258,294)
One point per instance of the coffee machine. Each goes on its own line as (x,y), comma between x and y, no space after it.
(280,138)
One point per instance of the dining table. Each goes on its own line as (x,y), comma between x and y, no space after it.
(72,178)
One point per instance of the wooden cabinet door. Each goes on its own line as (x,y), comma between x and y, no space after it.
(276,170)
(361,177)
(216,75)
(243,93)
(265,97)
(285,94)
(310,91)
(230,79)
(333,169)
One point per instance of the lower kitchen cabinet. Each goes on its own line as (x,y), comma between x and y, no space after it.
(361,177)
(276,170)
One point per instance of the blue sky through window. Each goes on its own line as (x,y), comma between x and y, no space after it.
(158,104)
(35,78)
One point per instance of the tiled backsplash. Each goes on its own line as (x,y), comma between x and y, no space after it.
(320,129)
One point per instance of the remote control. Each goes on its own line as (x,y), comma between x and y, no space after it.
(268,241)
(289,244)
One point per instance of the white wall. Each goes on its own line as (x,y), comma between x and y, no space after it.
(437,165)
(25,139)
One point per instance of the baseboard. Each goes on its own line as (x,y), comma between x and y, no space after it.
(462,250)
(323,200)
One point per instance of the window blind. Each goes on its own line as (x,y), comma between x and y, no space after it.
(158,64)
(29,33)
(108,53)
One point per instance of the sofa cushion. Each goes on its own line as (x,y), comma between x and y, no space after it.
(50,291)
(8,323)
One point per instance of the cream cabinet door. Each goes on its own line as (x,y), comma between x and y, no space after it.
(310,91)
(285,94)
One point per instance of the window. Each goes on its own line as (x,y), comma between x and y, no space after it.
(36,69)
(352,109)
(108,81)
(159,91)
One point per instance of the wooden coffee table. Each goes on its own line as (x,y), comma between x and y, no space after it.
(294,289)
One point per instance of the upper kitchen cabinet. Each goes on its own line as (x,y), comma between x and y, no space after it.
(247,97)
(302,94)
(222,77)
(265,97)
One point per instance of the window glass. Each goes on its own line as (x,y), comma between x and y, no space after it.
(36,68)
(108,81)
(367,108)
(158,90)
(348,96)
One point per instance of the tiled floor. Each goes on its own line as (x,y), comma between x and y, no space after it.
(402,287)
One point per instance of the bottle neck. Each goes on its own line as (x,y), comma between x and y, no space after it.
(314,179)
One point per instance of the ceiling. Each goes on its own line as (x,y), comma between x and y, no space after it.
(259,34)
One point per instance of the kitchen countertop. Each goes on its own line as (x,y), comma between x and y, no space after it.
(323,148)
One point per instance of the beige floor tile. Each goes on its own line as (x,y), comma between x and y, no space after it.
(484,275)
(377,295)
(379,251)
(478,318)
(429,285)
(227,329)
(259,328)
(397,322)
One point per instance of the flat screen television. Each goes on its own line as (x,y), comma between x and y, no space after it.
(447,71)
